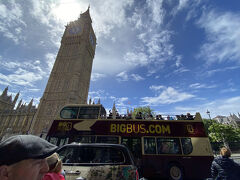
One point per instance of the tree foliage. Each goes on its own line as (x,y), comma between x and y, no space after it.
(145,112)
(218,132)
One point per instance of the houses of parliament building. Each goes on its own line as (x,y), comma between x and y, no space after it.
(68,83)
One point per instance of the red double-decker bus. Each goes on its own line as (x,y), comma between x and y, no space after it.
(177,148)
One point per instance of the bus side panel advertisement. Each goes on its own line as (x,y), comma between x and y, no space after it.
(128,128)
(147,128)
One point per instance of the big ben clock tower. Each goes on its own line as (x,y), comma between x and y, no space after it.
(70,77)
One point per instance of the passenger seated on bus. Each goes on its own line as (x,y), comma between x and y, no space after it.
(117,115)
(189,116)
(175,148)
(159,117)
(164,148)
(110,114)
(139,115)
(129,116)
(183,117)
(178,117)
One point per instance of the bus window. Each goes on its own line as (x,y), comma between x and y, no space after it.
(53,140)
(63,141)
(187,145)
(149,145)
(88,112)
(168,146)
(85,139)
(107,139)
(69,113)
(134,145)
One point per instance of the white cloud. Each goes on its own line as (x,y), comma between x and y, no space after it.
(228,90)
(168,95)
(156,88)
(41,11)
(67,11)
(122,76)
(121,101)
(200,86)
(21,77)
(137,77)
(50,57)
(109,14)
(217,107)
(24,73)
(223,36)
(158,11)
(140,40)
(213,71)
(11,21)
(180,70)
(136,59)
(96,76)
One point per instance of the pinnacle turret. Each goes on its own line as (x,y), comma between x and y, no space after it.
(86,15)
(15,99)
(19,104)
(30,105)
(4,94)
(99,101)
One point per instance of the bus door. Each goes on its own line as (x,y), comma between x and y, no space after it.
(134,145)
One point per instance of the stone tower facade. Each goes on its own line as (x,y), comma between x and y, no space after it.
(70,77)
(14,119)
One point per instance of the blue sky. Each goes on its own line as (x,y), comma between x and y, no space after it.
(176,56)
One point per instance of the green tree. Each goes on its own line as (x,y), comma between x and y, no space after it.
(223,133)
(145,111)
(218,132)
(207,123)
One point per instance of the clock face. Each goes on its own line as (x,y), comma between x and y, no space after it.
(75,30)
(91,39)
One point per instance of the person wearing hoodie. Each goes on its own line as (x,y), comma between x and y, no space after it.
(224,168)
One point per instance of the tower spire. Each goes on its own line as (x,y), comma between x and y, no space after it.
(15,99)
(114,111)
(86,15)
(30,105)
(4,94)
(19,104)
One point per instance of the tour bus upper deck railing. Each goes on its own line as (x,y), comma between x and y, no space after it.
(196,117)
(139,116)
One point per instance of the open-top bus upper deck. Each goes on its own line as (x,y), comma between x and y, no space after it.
(92,119)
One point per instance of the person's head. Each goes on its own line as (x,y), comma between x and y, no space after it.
(24,157)
(54,163)
(225,152)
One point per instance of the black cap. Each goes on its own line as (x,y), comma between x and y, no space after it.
(21,147)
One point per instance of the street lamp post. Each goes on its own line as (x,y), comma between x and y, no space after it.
(208,112)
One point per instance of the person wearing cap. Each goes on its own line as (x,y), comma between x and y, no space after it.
(225,168)
(55,168)
(24,157)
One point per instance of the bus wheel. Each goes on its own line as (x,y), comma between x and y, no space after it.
(175,172)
